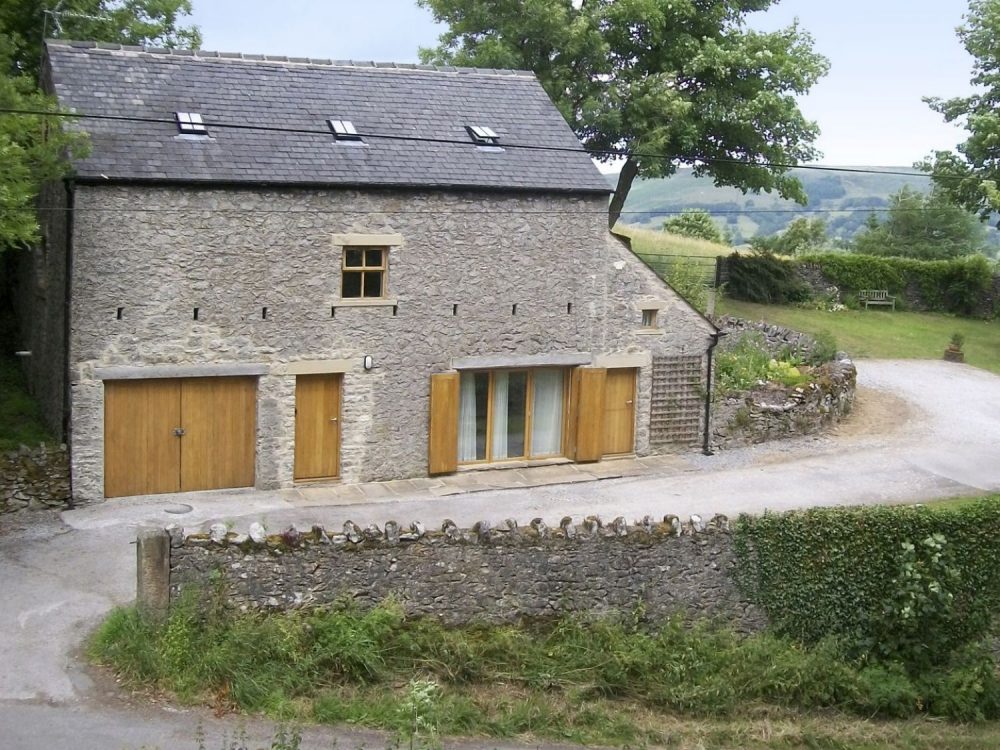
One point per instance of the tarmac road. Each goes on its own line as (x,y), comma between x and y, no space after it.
(921,430)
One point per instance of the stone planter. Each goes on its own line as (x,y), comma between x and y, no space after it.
(954,355)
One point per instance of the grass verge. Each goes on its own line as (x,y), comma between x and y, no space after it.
(885,335)
(20,418)
(593,682)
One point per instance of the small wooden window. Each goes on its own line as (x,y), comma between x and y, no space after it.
(364,272)
(649,318)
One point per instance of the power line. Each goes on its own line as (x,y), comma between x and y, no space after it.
(622,153)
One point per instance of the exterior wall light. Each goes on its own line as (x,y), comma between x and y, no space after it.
(367,362)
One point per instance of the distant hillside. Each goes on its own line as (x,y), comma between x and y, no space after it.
(845,199)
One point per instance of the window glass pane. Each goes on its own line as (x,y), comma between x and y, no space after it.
(517,402)
(482,406)
(352,284)
(547,412)
(373,283)
(353,257)
(373,257)
(472,416)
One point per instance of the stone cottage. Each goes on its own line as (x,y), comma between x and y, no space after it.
(280,270)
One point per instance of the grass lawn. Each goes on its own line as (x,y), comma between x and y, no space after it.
(20,418)
(880,334)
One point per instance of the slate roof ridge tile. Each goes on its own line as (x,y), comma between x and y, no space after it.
(131,49)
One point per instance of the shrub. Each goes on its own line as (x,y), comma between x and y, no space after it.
(895,583)
(742,366)
(686,276)
(765,279)
(824,349)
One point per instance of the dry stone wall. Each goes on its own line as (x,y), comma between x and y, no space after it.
(489,573)
(34,477)
(776,339)
(773,411)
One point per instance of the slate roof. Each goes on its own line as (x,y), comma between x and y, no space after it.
(299,93)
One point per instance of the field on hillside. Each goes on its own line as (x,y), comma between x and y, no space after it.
(881,334)
(844,200)
(654,242)
(663,251)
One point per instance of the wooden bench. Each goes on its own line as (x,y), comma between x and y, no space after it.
(876,297)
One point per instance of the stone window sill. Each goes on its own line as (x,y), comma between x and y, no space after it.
(364,302)
(650,332)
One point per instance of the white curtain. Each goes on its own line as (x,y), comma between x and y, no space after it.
(500,383)
(467,418)
(547,412)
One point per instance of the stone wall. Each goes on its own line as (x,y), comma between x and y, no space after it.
(35,477)
(773,411)
(489,275)
(488,573)
(778,340)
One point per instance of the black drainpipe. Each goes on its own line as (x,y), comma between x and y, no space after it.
(706,447)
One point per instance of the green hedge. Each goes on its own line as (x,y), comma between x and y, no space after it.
(764,278)
(908,584)
(959,285)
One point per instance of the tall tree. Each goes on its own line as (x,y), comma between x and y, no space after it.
(670,82)
(33,148)
(971,177)
(801,236)
(697,223)
(24,23)
(926,226)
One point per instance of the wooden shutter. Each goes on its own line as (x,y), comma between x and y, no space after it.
(588,411)
(442,444)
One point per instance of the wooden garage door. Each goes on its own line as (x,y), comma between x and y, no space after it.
(178,435)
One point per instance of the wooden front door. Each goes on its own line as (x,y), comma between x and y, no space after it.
(178,435)
(619,412)
(317,426)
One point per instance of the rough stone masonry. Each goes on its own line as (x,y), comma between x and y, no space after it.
(490,573)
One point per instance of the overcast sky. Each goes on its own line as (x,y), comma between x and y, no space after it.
(885,55)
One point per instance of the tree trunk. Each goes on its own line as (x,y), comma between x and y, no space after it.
(630,169)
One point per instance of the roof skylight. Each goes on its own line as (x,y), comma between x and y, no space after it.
(343,130)
(483,136)
(190,123)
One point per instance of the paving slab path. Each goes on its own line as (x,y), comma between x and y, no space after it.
(921,430)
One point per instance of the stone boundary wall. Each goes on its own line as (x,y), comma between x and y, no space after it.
(774,411)
(34,477)
(489,573)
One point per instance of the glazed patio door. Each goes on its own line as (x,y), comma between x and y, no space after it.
(510,414)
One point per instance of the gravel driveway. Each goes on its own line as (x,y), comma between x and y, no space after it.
(920,430)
